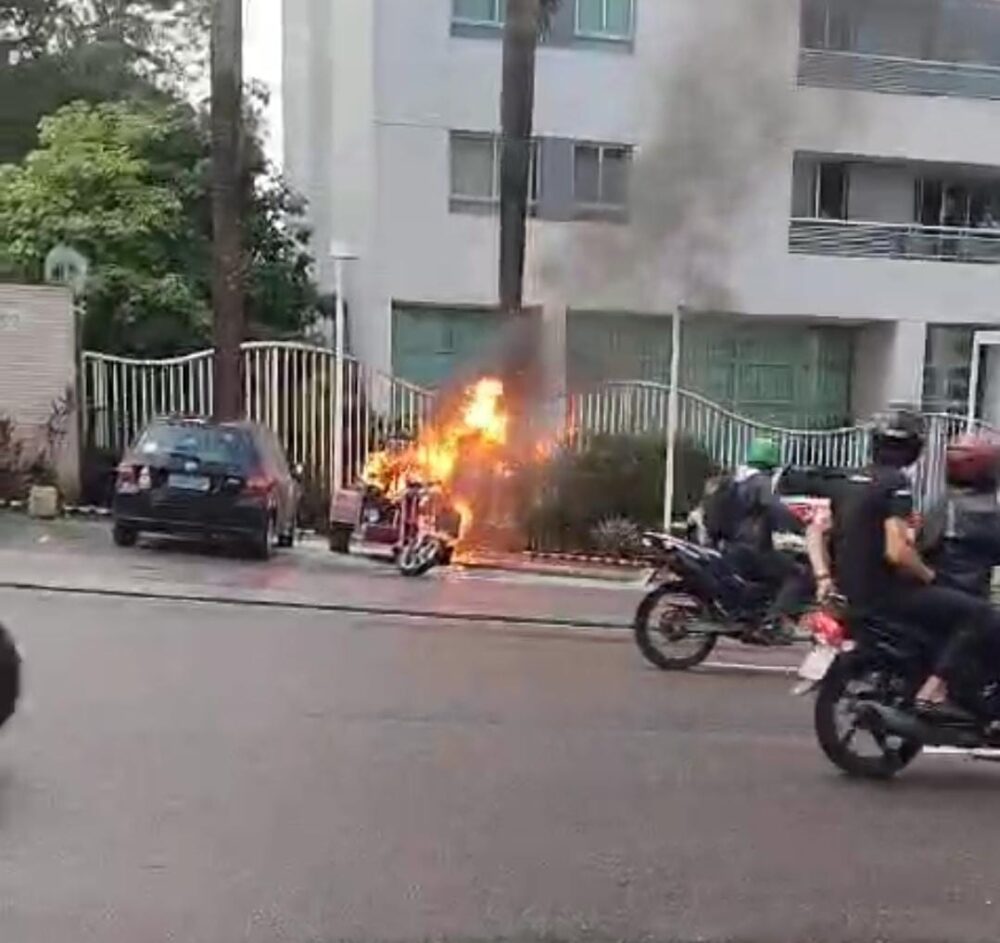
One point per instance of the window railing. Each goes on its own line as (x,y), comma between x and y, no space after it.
(893,75)
(867,240)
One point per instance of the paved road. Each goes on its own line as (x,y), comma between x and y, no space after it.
(208,774)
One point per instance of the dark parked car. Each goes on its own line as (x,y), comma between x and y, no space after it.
(196,478)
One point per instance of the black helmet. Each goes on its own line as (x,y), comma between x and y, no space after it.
(898,436)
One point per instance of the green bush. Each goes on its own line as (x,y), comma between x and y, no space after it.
(614,477)
(617,537)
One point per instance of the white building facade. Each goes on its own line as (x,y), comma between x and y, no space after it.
(817,181)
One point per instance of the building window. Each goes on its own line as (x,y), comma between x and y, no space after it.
(600,175)
(947,365)
(830,191)
(828,24)
(479,12)
(605,19)
(475,169)
(958,202)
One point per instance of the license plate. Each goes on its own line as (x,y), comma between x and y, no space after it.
(189,482)
(817,663)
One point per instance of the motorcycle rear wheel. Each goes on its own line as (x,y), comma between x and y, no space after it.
(663,631)
(844,687)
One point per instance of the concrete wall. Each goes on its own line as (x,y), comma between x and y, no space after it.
(888,366)
(38,367)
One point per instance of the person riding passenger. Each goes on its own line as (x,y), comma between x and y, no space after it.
(865,548)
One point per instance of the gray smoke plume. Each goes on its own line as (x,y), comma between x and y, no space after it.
(724,111)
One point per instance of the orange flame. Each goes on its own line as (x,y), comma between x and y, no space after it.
(482,411)
(479,425)
(466,516)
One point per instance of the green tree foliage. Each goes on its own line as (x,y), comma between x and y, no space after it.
(53,52)
(126,184)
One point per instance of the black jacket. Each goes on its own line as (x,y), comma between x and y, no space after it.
(764,514)
(960,539)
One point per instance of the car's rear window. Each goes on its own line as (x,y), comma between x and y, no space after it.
(210,445)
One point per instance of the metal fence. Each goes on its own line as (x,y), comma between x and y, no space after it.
(287,386)
(830,68)
(290,388)
(874,240)
(640,408)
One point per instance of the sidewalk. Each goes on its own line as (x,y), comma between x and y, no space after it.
(79,555)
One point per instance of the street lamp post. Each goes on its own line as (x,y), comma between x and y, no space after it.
(673,403)
(340,253)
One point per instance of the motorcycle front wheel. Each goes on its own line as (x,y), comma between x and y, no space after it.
(858,748)
(10,675)
(420,556)
(673,629)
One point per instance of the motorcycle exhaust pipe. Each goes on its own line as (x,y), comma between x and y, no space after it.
(891,720)
(983,754)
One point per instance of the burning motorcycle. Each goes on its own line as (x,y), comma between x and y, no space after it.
(866,674)
(412,500)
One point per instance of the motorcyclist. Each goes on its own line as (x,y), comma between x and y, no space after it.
(753,513)
(866,548)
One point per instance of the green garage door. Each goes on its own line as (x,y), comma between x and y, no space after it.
(430,345)
(794,375)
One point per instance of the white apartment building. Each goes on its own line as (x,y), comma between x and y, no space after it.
(817,180)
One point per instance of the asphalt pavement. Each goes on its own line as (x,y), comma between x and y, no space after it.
(206,774)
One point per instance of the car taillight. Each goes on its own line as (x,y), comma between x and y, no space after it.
(125,481)
(258,485)
(825,628)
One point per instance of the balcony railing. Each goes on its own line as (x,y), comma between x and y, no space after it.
(828,68)
(863,240)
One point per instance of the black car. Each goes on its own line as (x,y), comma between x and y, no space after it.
(196,478)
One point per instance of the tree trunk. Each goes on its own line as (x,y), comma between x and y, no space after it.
(227,242)
(516,115)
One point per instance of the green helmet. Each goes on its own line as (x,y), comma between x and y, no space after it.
(764,453)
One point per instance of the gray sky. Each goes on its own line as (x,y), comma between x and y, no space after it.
(263,61)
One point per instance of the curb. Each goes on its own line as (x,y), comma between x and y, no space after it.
(86,511)
(69,510)
(591,560)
